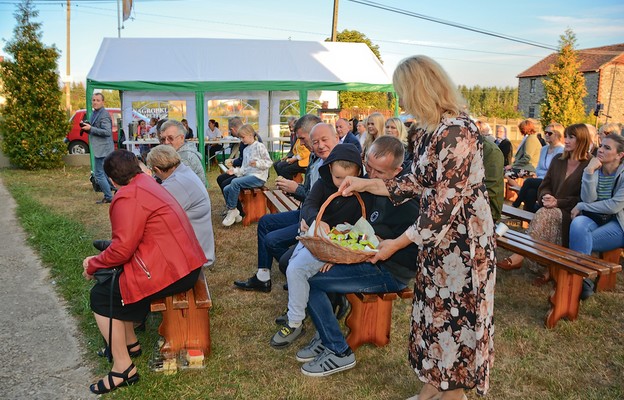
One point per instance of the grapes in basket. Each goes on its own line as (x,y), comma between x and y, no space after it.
(352,239)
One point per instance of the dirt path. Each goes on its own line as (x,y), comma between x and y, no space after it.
(39,353)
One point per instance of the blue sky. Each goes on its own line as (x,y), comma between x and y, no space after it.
(470,58)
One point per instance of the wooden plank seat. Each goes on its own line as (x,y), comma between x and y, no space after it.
(370,317)
(278,201)
(254,204)
(517,213)
(185,319)
(567,269)
(608,282)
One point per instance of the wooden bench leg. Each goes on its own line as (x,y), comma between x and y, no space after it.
(608,281)
(369,322)
(185,328)
(565,298)
(254,205)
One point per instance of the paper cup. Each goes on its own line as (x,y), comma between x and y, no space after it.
(501,229)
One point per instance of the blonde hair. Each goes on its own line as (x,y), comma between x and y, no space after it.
(400,127)
(246,130)
(426,91)
(379,121)
(163,157)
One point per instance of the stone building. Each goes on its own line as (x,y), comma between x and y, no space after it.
(603,69)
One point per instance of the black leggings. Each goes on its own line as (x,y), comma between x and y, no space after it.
(528,194)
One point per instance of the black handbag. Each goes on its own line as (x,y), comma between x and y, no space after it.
(94,183)
(102,276)
(600,219)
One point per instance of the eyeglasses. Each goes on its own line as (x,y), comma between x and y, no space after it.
(165,139)
(548,132)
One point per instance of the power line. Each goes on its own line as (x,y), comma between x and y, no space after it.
(453,24)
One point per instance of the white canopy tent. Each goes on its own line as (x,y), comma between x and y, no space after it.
(197,70)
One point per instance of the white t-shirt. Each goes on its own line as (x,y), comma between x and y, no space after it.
(213,134)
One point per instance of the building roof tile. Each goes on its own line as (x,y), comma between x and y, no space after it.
(591,60)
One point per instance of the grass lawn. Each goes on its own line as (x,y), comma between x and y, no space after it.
(583,359)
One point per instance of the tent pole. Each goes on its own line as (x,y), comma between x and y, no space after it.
(199,111)
(303,102)
(396,104)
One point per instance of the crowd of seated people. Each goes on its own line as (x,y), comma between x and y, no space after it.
(578,200)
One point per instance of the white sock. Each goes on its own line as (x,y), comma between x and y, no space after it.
(263,274)
(293,324)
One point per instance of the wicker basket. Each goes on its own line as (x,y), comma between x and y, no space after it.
(328,251)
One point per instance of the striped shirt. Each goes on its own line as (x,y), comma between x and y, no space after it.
(605,186)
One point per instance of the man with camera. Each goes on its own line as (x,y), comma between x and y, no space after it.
(100,131)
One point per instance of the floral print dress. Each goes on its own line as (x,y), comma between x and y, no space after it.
(451,339)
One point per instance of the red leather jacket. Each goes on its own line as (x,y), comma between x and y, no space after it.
(152,238)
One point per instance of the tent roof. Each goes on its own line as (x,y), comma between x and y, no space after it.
(236,64)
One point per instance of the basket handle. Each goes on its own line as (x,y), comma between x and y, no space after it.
(329,200)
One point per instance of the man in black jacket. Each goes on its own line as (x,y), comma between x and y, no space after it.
(328,352)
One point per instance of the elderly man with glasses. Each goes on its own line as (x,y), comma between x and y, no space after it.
(172,132)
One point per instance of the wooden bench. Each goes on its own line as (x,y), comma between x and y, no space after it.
(511,192)
(254,204)
(185,319)
(566,267)
(278,201)
(370,317)
(516,213)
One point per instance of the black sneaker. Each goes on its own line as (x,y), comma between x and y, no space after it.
(588,289)
(254,283)
(285,336)
(282,319)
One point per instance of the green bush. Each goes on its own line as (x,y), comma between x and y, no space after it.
(33,124)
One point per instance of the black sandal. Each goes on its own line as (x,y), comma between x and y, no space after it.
(103,352)
(100,388)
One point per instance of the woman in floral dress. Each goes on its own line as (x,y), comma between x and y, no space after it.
(451,340)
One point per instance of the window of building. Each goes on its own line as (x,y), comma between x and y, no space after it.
(532,87)
(532,112)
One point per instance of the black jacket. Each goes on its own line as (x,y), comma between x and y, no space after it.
(341,209)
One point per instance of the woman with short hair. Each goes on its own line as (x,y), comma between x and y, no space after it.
(154,246)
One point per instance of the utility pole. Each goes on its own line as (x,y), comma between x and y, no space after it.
(118,19)
(68,67)
(334,21)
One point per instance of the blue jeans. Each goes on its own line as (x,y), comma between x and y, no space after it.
(231,191)
(586,236)
(101,178)
(353,278)
(301,267)
(276,233)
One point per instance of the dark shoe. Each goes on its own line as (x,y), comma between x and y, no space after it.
(254,283)
(285,336)
(588,289)
(103,352)
(101,245)
(341,306)
(508,265)
(282,319)
(104,201)
(100,388)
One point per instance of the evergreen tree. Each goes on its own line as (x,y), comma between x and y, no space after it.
(34,123)
(362,100)
(564,86)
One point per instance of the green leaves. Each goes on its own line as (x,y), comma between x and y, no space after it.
(33,124)
(564,86)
